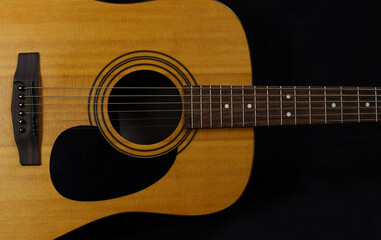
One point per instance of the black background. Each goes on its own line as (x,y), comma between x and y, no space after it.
(308,182)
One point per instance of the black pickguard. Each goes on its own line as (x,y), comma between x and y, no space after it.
(85,167)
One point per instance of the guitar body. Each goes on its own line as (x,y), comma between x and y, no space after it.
(190,42)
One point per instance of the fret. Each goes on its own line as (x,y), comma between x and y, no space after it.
(261,106)
(367,105)
(274,108)
(216,106)
(196,107)
(188,113)
(243,106)
(268,106)
(231,106)
(325,105)
(227,115)
(255,104)
(341,105)
(194,119)
(221,110)
(358,104)
(302,105)
(350,105)
(192,106)
(378,99)
(249,111)
(211,107)
(318,114)
(376,102)
(237,106)
(295,100)
(333,105)
(288,106)
(206,117)
(309,105)
(201,118)
(281,106)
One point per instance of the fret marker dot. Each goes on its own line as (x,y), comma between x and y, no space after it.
(288,96)
(227,106)
(249,106)
(367,104)
(333,105)
(288,114)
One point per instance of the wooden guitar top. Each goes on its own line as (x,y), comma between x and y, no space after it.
(75,41)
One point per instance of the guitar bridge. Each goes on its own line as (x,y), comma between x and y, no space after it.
(25,116)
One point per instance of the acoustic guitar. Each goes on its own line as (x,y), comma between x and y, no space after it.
(144,107)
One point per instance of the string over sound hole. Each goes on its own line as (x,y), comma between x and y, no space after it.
(145,107)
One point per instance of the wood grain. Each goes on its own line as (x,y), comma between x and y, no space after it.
(76,39)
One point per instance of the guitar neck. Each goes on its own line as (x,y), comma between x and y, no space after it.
(248,106)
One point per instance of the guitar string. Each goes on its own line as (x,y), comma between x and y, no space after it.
(145,103)
(208,88)
(235,117)
(194,103)
(218,126)
(187,110)
(262,121)
(217,87)
(111,119)
(219,110)
(195,95)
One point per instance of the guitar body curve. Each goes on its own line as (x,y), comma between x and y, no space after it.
(76,40)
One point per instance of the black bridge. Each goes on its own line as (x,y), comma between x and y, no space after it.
(25,108)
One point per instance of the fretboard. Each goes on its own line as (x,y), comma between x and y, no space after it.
(248,106)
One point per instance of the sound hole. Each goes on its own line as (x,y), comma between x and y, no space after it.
(145,107)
